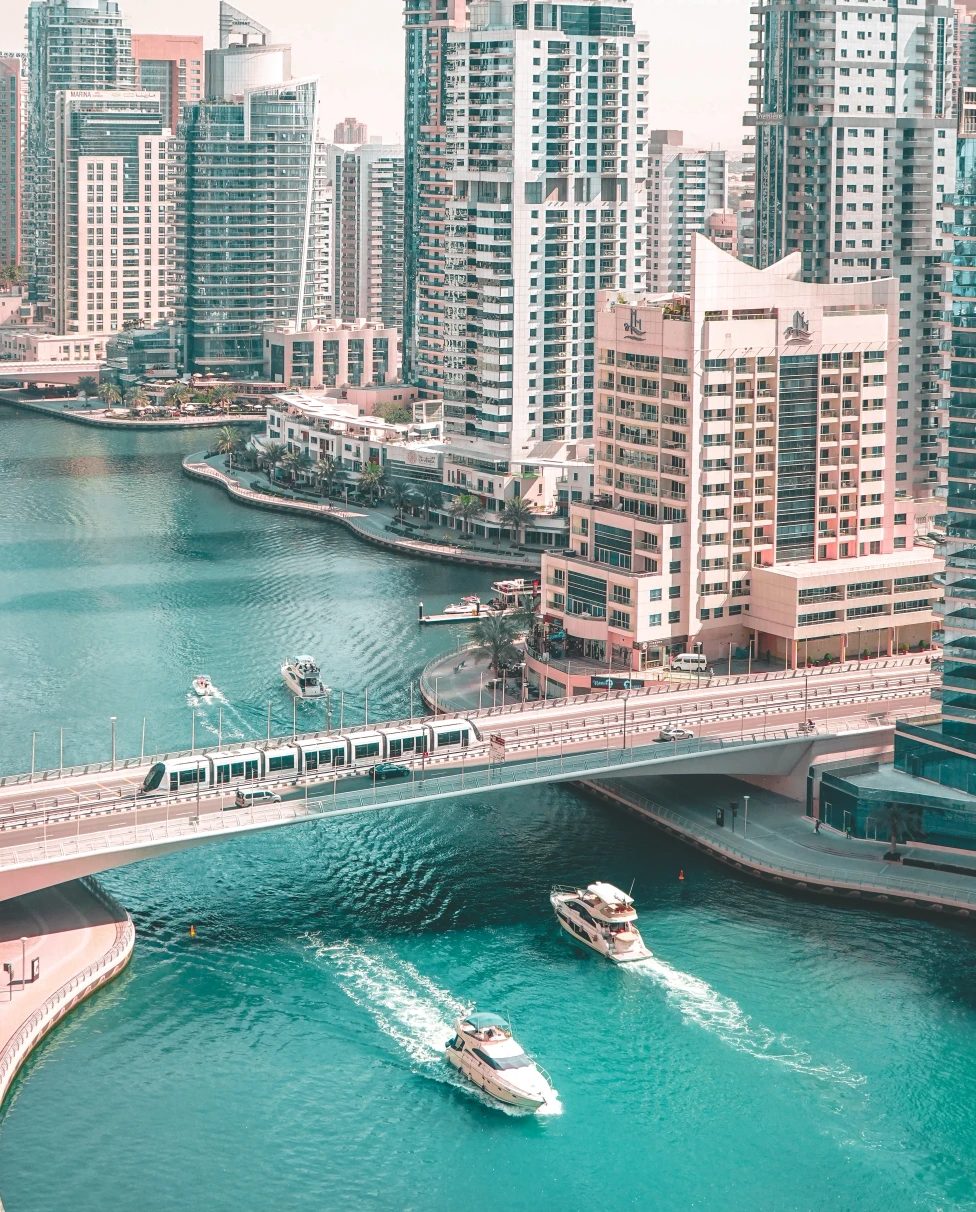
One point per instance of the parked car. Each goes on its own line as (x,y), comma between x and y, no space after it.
(674,732)
(390,770)
(248,797)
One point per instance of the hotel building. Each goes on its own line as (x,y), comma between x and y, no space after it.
(750,488)
(854,117)
(525,194)
(684,188)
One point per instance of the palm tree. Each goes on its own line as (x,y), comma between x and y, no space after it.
(371,481)
(136,397)
(109,394)
(88,384)
(897,820)
(272,454)
(229,442)
(429,495)
(223,393)
(516,515)
(178,394)
(495,636)
(328,469)
(400,495)
(467,508)
(297,462)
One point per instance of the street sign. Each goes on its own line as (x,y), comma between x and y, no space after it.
(615,683)
(496,746)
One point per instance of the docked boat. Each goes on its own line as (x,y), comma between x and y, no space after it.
(485,1052)
(469,605)
(602,918)
(202,685)
(303,678)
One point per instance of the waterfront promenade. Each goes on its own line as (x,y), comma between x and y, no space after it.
(372,524)
(104,418)
(79,937)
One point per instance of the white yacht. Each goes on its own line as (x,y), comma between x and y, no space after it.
(202,685)
(301,675)
(469,605)
(602,918)
(484,1051)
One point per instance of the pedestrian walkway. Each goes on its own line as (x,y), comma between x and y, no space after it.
(778,843)
(373,523)
(68,410)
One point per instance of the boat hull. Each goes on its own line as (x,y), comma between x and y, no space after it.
(592,941)
(501,1093)
(298,691)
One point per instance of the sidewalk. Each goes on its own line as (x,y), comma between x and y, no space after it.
(102,417)
(373,523)
(779,844)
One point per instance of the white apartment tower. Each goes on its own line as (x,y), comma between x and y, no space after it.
(685,186)
(524,196)
(115,253)
(855,151)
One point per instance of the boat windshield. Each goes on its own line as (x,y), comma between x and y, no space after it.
(518,1061)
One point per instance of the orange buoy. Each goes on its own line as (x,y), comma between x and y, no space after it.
(193,932)
(681,875)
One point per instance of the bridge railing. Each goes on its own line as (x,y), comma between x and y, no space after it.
(496,775)
(914,672)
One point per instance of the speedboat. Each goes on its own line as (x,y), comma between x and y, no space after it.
(301,675)
(485,1052)
(202,685)
(602,918)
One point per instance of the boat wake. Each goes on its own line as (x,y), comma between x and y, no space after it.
(699,1003)
(234,724)
(408,1007)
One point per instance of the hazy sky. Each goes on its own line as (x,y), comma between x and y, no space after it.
(698,55)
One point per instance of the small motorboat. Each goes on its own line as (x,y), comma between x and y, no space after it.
(302,677)
(602,918)
(202,685)
(485,1052)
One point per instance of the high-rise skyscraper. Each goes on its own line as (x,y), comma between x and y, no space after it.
(245,58)
(250,202)
(525,170)
(80,45)
(368,190)
(171,65)
(855,139)
(115,211)
(684,187)
(350,131)
(12,115)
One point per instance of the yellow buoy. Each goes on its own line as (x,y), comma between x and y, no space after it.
(193,932)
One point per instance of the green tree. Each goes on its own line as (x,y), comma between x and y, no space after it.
(178,395)
(297,463)
(223,393)
(898,821)
(400,495)
(395,413)
(328,470)
(429,495)
(516,516)
(371,481)
(136,397)
(88,384)
(230,442)
(495,636)
(467,508)
(272,455)
(109,394)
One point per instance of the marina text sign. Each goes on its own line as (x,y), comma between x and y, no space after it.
(609,683)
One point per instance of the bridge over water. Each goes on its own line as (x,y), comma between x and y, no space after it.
(80,822)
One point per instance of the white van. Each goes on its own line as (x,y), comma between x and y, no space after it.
(690,662)
(247,798)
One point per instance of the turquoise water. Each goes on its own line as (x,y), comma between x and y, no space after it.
(773,1054)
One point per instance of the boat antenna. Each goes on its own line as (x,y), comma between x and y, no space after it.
(632,883)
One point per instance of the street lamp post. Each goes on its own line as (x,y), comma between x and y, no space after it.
(745,817)
(113,742)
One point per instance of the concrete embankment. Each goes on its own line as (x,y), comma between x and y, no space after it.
(67,941)
(365,525)
(57,410)
(779,846)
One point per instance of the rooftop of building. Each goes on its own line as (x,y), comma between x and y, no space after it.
(912,559)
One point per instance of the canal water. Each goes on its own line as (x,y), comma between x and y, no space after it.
(772,1055)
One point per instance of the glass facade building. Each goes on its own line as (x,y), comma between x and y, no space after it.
(250,215)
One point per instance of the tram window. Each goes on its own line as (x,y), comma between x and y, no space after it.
(458,737)
(174,781)
(338,757)
(370,749)
(396,748)
(237,769)
(284,761)
(191,776)
(311,760)
(250,769)
(223,774)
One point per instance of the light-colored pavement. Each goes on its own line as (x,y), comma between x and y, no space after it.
(68,410)
(778,839)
